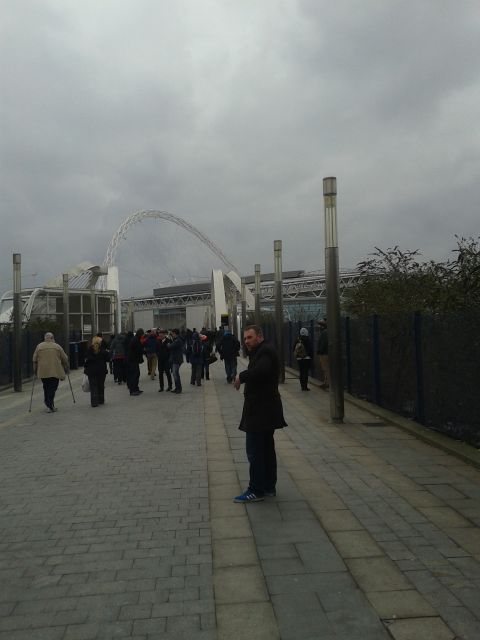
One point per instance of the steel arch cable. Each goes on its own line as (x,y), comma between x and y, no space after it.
(121,232)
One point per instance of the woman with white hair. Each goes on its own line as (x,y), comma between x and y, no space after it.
(303,352)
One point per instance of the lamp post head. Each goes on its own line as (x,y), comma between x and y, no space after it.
(330,186)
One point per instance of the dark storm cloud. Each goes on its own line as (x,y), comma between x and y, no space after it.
(229,114)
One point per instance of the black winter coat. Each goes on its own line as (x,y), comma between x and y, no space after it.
(96,363)
(262,407)
(175,349)
(163,353)
(228,346)
(135,351)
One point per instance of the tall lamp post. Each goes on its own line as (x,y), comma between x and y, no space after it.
(277,255)
(244,314)
(17,321)
(257,294)
(95,273)
(66,316)
(333,300)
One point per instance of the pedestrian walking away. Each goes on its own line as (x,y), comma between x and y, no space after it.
(95,368)
(150,346)
(176,358)
(229,349)
(196,359)
(303,353)
(135,359)
(262,415)
(207,354)
(50,364)
(117,357)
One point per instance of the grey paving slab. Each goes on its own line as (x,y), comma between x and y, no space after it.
(114,522)
(105,519)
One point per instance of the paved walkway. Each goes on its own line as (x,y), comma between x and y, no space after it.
(118,522)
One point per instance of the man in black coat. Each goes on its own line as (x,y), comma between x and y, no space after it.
(135,359)
(262,414)
(163,356)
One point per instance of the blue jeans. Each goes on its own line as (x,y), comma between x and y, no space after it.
(263,462)
(176,375)
(230,368)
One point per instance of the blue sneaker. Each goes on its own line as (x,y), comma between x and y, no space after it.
(248,496)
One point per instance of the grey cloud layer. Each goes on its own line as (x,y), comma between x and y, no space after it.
(229,114)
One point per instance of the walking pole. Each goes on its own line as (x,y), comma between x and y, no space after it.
(31,396)
(70,383)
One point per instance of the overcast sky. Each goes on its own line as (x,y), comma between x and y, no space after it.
(229,113)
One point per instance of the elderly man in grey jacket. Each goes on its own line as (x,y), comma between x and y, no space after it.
(50,363)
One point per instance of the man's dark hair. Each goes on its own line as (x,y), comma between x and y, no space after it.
(254,327)
(176,331)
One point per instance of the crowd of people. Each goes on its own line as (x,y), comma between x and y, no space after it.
(165,351)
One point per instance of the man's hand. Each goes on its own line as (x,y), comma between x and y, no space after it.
(237,383)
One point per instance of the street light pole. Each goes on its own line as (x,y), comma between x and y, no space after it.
(66,316)
(333,300)
(277,255)
(17,321)
(257,295)
(244,311)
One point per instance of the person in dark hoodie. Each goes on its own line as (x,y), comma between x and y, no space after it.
(176,358)
(196,359)
(117,355)
(229,348)
(303,352)
(163,356)
(135,359)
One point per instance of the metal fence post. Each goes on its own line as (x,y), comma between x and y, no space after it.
(348,354)
(290,346)
(377,394)
(312,341)
(417,334)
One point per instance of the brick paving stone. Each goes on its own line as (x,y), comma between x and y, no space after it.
(425,628)
(107,520)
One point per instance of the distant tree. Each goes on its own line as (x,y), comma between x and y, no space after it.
(42,324)
(393,280)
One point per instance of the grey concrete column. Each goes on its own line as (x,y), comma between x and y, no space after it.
(257,294)
(17,321)
(244,314)
(93,311)
(66,316)
(277,254)
(333,300)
